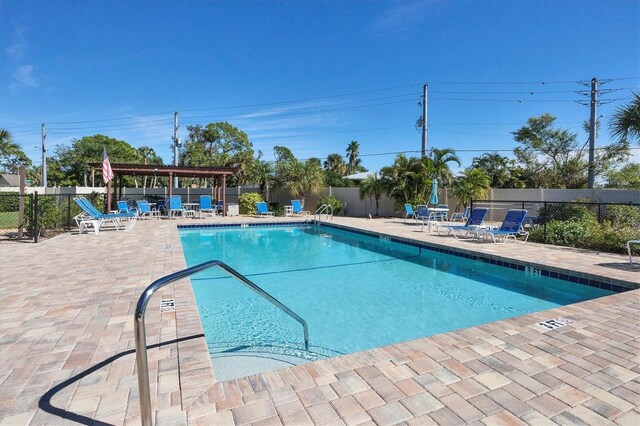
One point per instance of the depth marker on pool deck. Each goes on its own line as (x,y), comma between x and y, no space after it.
(167,305)
(554,323)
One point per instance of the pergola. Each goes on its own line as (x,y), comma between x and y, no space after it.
(121,169)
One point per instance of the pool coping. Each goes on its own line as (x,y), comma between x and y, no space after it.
(198,384)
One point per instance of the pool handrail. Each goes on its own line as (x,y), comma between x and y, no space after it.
(323,209)
(142,363)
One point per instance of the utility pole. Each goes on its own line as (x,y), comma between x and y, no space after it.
(592,131)
(176,145)
(44,158)
(424,120)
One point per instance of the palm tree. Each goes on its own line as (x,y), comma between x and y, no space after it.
(474,183)
(626,121)
(304,178)
(353,162)
(407,180)
(372,187)
(335,163)
(262,173)
(440,159)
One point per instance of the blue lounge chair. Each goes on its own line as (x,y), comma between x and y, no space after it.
(175,206)
(511,227)
(124,208)
(296,208)
(462,217)
(409,212)
(97,219)
(145,210)
(476,219)
(206,205)
(263,210)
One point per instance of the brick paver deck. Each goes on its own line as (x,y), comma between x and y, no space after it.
(67,349)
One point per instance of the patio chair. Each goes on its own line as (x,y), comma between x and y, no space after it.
(426,216)
(220,208)
(441,215)
(125,208)
(206,206)
(296,208)
(145,210)
(409,212)
(511,228)
(474,223)
(175,206)
(263,210)
(462,217)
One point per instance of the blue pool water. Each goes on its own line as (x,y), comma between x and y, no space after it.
(356,292)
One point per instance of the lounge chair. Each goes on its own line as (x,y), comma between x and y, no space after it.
(92,216)
(409,212)
(296,208)
(511,227)
(206,206)
(124,208)
(263,210)
(462,217)
(175,206)
(474,222)
(145,210)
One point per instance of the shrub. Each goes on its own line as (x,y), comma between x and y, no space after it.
(564,212)
(247,202)
(620,216)
(9,201)
(333,202)
(276,208)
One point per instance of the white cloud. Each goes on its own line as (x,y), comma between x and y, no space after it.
(18,46)
(403,16)
(23,76)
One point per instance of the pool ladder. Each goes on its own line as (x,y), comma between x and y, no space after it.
(326,209)
(142,363)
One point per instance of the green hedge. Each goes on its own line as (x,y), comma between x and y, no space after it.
(9,201)
(333,202)
(247,202)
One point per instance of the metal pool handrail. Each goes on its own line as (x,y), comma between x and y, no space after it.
(324,209)
(142,363)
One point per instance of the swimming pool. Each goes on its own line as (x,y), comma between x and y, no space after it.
(355,291)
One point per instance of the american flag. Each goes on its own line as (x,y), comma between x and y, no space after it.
(107,172)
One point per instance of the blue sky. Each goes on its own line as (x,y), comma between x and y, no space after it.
(312,75)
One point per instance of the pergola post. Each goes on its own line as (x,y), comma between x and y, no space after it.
(224,195)
(170,184)
(109,196)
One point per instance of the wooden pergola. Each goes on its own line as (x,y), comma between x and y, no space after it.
(121,169)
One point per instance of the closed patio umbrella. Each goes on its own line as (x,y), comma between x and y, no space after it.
(433,199)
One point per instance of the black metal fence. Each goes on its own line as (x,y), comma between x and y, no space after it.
(33,216)
(589,225)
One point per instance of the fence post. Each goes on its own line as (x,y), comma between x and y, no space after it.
(471,206)
(544,231)
(599,212)
(36,214)
(68,212)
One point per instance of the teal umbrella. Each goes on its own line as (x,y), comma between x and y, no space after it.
(433,199)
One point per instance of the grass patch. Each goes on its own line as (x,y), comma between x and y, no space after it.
(8,220)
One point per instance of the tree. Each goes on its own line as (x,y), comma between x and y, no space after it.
(408,179)
(473,184)
(11,155)
(372,187)
(303,178)
(354,163)
(626,121)
(219,145)
(440,159)
(149,156)
(262,173)
(282,153)
(628,177)
(73,160)
(335,163)
(552,158)
(501,170)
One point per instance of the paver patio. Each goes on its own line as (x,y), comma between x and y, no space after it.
(67,348)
